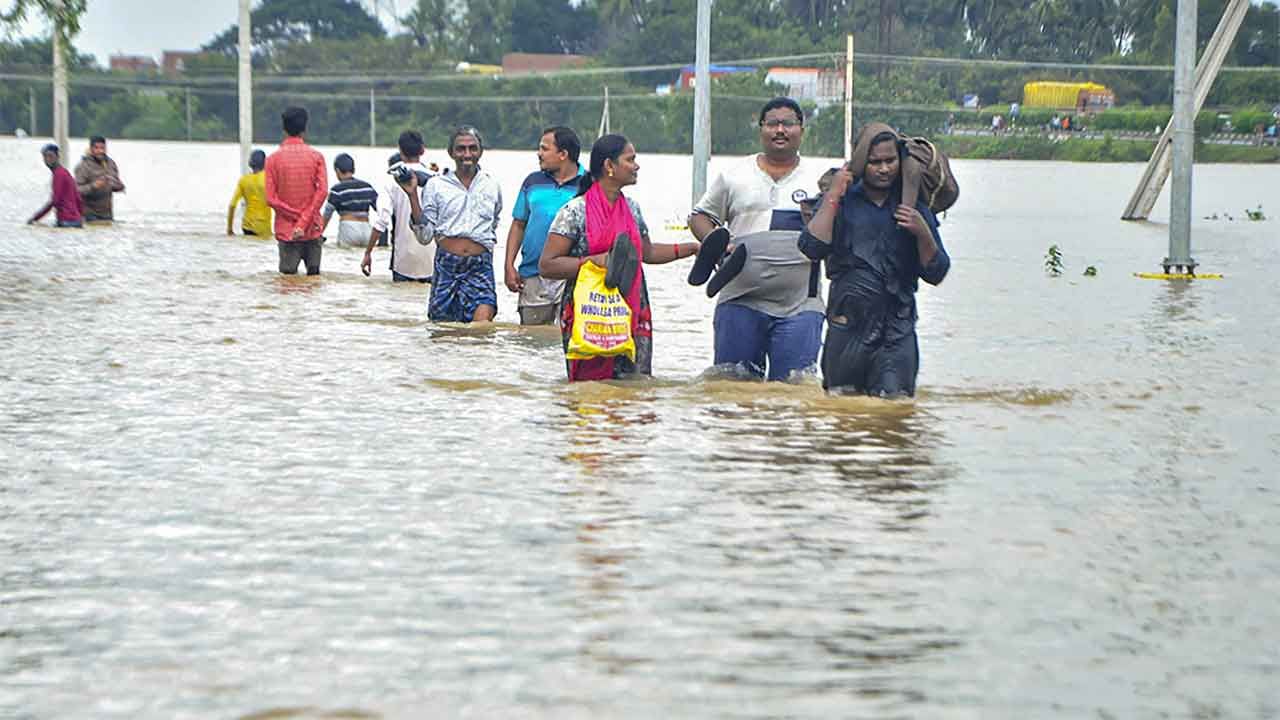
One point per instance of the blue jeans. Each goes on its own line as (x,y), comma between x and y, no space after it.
(750,339)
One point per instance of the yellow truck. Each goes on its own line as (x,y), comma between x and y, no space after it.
(1080,96)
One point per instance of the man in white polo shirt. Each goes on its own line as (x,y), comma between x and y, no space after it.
(769,312)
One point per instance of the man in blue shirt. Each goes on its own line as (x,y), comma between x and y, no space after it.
(875,250)
(541,197)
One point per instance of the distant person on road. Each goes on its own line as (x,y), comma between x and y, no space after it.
(541,196)
(98,178)
(396,215)
(65,202)
(297,184)
(768,317)
(252,188)
(875,250)
(460,210)
(351,199)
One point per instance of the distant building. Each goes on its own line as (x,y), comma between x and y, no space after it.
(520,63)
(133,63)
(822,85)
(687,76)
(174,62)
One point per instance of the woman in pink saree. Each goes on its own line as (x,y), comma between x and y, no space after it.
(589,228)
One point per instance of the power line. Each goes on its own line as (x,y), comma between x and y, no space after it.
(386,77)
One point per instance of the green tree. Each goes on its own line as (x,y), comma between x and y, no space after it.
(432,23)
(551,26)
(64,15)
(280,22)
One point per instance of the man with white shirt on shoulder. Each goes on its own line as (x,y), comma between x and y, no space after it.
(413,255)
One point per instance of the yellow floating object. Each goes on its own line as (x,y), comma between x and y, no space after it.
(673,226)
(1178,276)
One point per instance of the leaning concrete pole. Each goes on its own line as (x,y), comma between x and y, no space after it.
(1184,135)
(61,114)
(848,98)
(702,101)
(246,86)
(1215,54)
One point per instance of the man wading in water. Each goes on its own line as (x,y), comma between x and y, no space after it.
(461,209)
(769,304)
(875,250)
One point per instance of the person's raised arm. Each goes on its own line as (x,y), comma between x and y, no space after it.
(711,210)
(815,239)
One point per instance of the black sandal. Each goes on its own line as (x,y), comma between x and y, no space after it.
(728,271)
(710,253)
(620,271)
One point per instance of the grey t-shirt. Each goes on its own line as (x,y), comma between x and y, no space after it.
(777,279)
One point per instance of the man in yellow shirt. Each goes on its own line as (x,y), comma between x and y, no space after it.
(252,188)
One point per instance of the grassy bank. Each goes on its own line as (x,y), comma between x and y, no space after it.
(1078,149)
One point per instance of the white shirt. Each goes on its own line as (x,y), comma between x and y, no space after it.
(451,209)
(410,257)
(744,196)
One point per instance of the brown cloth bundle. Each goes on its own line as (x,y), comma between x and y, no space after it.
(925,170)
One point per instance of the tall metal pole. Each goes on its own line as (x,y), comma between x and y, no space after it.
(246,85)
(373,121)
(848,98)
(61,117)
(31,96)
(1184,63)
(702,101)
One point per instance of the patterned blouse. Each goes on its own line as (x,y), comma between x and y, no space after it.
(571,222)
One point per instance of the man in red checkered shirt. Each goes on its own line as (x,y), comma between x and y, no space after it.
(297,185)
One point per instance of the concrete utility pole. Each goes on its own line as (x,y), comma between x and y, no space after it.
(61,106)
(188,114)
(848,98)
(246,85)
(702,101)
(31,96)
(1184,137)
(1215,53)
(373,121)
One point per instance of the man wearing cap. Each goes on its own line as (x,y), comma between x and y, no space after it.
(352,199)
(66,202)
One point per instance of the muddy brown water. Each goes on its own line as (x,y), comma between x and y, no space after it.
(228,494)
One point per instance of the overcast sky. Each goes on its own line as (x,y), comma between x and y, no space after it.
(148,27)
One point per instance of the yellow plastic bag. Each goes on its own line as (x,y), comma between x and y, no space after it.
(601,318)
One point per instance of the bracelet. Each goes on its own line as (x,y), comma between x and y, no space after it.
(676,247)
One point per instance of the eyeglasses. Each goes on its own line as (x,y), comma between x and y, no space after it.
(775,124)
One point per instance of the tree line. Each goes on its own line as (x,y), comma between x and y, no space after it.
(415,84)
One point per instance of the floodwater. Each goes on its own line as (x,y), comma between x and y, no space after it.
(230,494)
